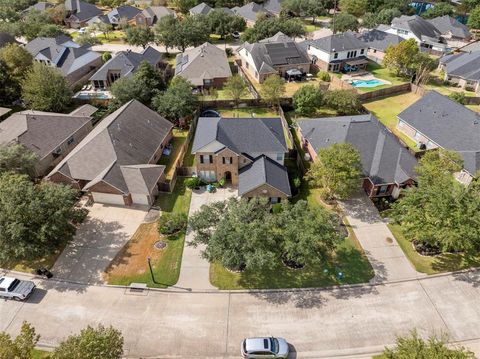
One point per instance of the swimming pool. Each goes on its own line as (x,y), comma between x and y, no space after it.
(366,83)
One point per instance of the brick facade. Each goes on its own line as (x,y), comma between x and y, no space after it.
(266,191)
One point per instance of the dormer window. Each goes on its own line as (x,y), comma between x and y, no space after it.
(335,55)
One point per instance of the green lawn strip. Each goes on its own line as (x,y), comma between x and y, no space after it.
(30,266)
(189,159)
(433,265)
(348,259)
(387,110)
(247,112)
(116,36)
(222,95)
(179,138)
(40,354)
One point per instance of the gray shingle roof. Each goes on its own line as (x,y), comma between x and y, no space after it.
(471,47)
(273,6)
(464,65)
(82,11)
(241,135)
(448,124)
(127,63)
(204,62)
(384,159)
(128,137)
(277,50)
(157,12)
(263,170)
(250,11)
(201,8)
(338,42)
(416,24)
(39,6)
(126,12)
(447,24)
(41,132)
(379,40)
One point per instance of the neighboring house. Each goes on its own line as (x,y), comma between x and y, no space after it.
(463,69)
(250,12)
(151,15)
(452,31)
(276,55)
(75,62)
(116,16)
(204,66)
(124,64)
(247,152)
(437,121)
(273,6)
(51,136)
(200,9)
(387,165)
(427,36)
(79,12)
(6,39)
(338,52)
(377,42)
(117,162)
(39,6)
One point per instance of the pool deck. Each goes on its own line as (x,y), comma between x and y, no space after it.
(366,77)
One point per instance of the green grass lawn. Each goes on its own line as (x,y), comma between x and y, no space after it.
(222,95)
(31,266)
(130,265)
(309,27)
(437,84)
(348,259)
(387,109)
(114,37)
(433,265)
(248,112)
(383,74)
(40,354)
(189,159)
(179,138)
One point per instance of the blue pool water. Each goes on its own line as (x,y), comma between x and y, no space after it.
(366,83)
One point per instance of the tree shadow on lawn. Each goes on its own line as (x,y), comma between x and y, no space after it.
(448,262)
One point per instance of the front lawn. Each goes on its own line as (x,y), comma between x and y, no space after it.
(179,138)
(130,265)
(40,354)
(348,259)
(31,266)
(387,110)
(248,112)
(433,265)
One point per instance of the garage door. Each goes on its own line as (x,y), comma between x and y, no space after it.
(140,199)
(108,198)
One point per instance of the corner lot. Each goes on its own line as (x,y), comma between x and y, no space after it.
(105,231)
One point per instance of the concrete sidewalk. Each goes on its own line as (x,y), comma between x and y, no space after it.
(195,270)
(379,244)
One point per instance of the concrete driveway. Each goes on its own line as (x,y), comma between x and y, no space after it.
(105,231)
(194,272)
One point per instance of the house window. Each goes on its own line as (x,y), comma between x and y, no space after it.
(210,159)
(417,135)
(227,160)
(202,159)
(335,55)
(362,51)
(354,53)
(207,81)
(246,65)
(383,189)
(208,176)
(70,141)
(279,156)
(374,51)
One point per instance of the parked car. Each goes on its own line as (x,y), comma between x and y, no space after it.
(16,289)
(253,348)
(235,35)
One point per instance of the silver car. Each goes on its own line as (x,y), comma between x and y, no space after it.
(16,289)
(256,348)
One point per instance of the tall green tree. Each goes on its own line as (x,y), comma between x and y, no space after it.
(345,102)
(38,23)
(45,89)
(344,22)
(222,23)
(356,8)
(92,343)
(177,102)
(268,26)
(273,89)
(9,88)
(35,219)
(139,36)
(307,99)
(17,158)
(22,346)
(17,59)
(337,172)
(474,18)
(440,9)
(412,346)
(184,5)
(193,31)
(166,30)
(235,87)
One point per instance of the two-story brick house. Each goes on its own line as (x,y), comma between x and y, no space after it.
(248,152)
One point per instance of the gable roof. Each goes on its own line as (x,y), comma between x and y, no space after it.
(39,6)
(448,124)
(63,52)
(204,62)
(275,51)
(42,132)
(127,62)
(128,137)
(241,135)
(263,170)
(273,6)
(379,40)
(338,42)
(201,8)
(250,11)
(447,24)
(464,65)
(126,12)
(384,159)
(157,12)
(82,11)
(420,27)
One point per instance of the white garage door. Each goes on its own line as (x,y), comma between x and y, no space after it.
(140,199)
(108,198)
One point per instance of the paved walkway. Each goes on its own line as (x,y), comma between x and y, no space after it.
(379,244)
(194,272)
(319,324)
(97,241)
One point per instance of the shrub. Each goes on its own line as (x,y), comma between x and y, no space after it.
(192,182)
(324,76)
(170,223)
(229,51)
(458,97)
(297,182)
